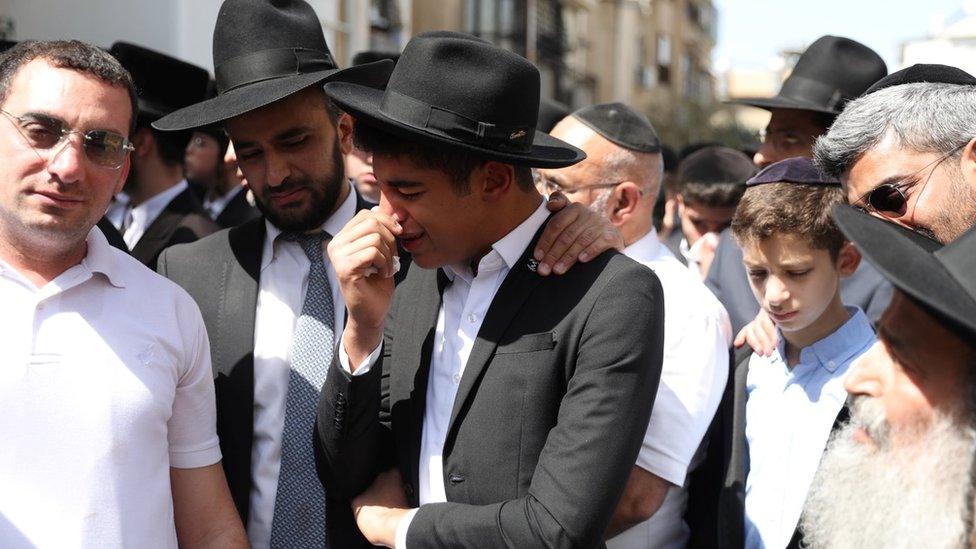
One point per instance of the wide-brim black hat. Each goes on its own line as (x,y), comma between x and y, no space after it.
(940,279)
(263,52)
(831,72)
(454,90)
(164,83)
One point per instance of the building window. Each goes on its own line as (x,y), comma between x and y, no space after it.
(664,59)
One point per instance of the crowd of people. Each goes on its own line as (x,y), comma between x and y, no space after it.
(410,304)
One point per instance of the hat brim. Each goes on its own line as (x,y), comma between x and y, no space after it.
(780,102)
(363,103)
(907,260)
(250,97)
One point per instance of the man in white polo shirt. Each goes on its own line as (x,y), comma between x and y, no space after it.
(619,179)
(106,391)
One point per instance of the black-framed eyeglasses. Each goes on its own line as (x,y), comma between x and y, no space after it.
(891,199)
(103,148)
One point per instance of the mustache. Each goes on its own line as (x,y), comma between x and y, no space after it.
(287,186)
(868,413)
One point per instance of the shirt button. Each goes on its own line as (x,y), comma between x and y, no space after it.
(472,318)
(830,364)
(457,378)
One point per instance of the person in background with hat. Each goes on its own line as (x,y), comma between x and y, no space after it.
(779,410)
(106,397)
(493,407)
(359,164)
(161,209)
(899,474)
(271,300)
(710,182)
(831,72)
(620,178)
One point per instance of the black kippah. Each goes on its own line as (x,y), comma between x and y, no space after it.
(716,165)
(799,170)
(931,73)
(621,125)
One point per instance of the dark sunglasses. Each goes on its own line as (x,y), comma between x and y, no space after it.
(889,199)
(102,147)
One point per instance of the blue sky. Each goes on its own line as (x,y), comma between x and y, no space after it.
(752,32)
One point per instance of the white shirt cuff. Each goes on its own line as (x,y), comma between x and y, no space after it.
(366,364)
(402,527)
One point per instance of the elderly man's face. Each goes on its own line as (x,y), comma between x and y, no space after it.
(941,192)
(58,194)
(584,182)
(918,368)
(898,475)
(291,153)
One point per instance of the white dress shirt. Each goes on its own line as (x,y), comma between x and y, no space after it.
(281,294)
(216,205)
(463,307)
(144,214)
(697,335)
(789,416)
(117,209)
(105,384)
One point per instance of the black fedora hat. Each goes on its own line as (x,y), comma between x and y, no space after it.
(6,45)
(455,90)
(938,278)
(164,83)
(831,72)
(264,51)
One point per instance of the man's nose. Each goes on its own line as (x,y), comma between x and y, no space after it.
(776,291)
(387,207)
(67,159)
(862,378)
(766,155)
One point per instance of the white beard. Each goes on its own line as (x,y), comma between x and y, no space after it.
(910,496)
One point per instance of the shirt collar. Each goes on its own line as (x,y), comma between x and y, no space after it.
(343,214)
(103,258)
(648,248)
(507,250)
(149,210)
(220,202)
(840,346)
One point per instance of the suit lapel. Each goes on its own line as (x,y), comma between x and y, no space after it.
(512,294)
(240,276)
(414,342)
(731,517)
(162,228)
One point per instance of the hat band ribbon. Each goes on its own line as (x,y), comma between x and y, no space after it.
(268,64)
(449,124)
(809,90)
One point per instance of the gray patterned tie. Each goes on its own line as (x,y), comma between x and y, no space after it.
(299,515)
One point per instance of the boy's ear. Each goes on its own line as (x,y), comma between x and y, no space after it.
(848,259)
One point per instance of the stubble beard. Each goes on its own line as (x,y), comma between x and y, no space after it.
(914,494)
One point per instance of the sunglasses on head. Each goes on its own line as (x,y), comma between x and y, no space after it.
(43,133)
(889,199)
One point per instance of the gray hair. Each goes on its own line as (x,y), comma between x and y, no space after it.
(922,117)
(645,169)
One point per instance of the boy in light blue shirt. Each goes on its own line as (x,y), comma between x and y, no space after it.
(795,257)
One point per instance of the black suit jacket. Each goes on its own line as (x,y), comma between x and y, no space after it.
(222,273)
(112,234)
(237,211)
(717,488)
(549,414)
(182,220)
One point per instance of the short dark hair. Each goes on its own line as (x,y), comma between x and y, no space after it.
(715,195)
(457,165)
(68,54)
(789,208)
(170,145)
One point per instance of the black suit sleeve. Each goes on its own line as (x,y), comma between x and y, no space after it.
(353,445)
(588,455)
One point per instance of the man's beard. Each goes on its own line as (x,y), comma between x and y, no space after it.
(322,196)
(911,494)
(959,214)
